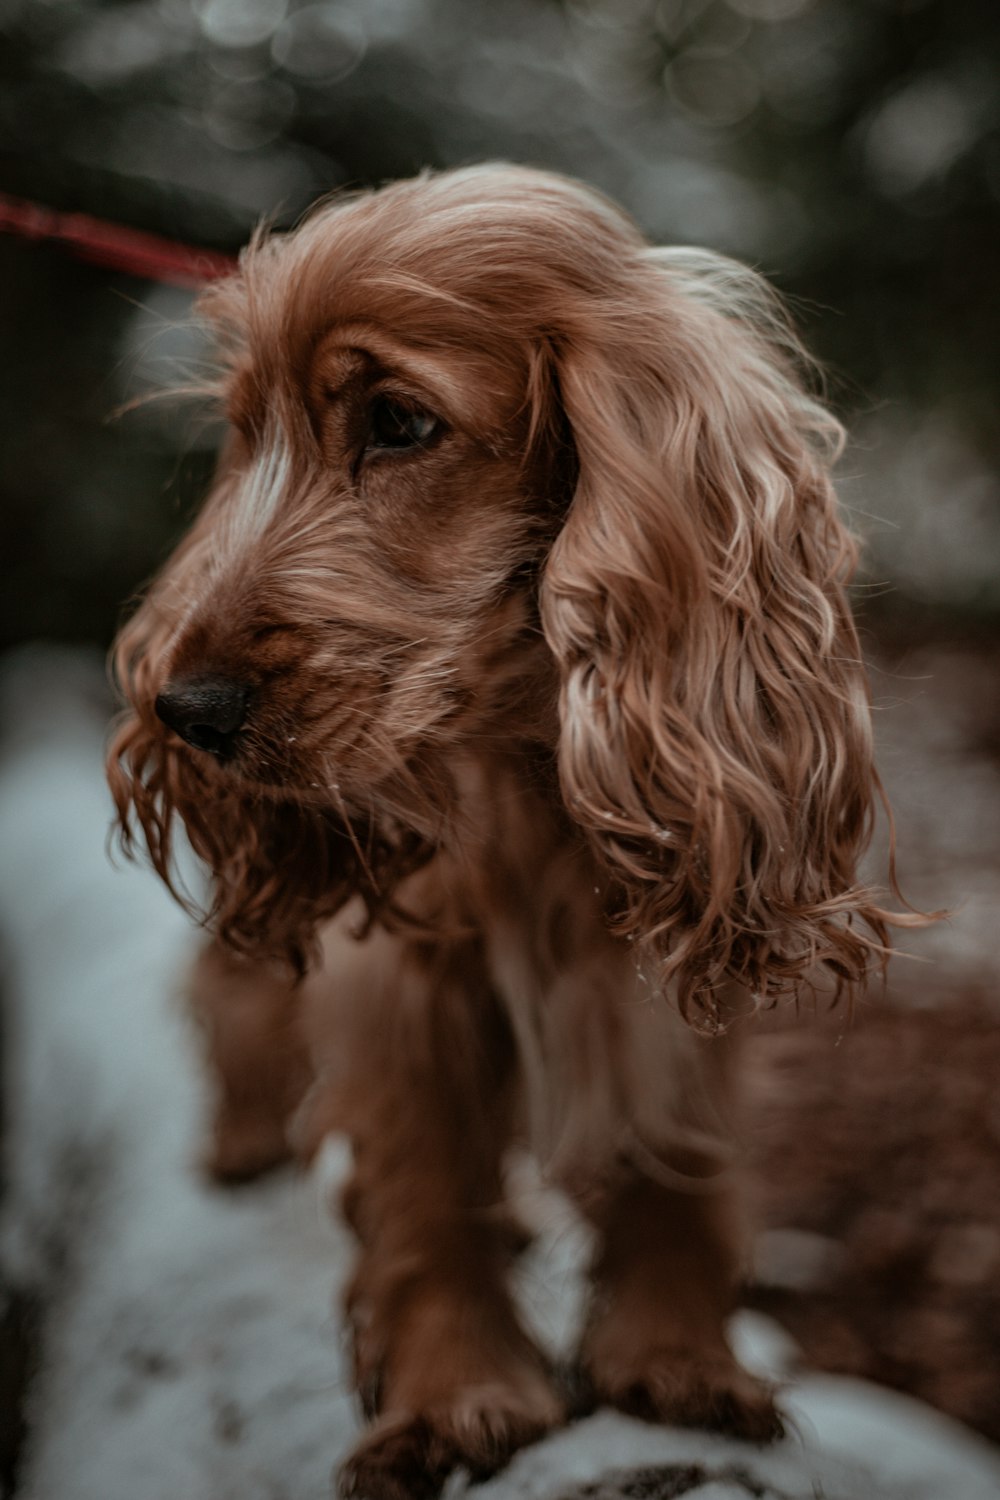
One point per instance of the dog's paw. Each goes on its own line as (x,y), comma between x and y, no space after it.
(408,1457)
(692,1390)
(392,1462)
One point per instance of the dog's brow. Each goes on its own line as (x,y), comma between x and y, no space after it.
(450,377)
(340,368)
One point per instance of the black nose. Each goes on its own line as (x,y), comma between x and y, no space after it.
(207,712)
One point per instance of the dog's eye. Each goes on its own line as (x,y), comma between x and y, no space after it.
(395,426)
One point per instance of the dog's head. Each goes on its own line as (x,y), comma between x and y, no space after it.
(498,471)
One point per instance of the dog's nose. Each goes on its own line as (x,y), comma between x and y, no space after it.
(207,712)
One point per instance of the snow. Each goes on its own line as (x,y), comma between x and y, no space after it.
(191,1348)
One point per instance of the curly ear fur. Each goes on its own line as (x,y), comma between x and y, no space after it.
(716,738)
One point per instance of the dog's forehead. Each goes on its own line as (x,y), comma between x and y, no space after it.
(353,352)
(327,311)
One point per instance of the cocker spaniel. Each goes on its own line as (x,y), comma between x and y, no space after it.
(507,687)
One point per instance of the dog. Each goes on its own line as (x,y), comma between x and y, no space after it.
(507,686)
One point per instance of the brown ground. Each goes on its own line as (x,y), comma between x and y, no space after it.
(883,1142)
(876,1139)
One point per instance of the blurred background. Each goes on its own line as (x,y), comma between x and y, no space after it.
(850,149)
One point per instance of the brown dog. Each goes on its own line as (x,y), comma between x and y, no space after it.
(507,682)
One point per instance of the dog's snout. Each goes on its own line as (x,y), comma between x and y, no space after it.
(206,712)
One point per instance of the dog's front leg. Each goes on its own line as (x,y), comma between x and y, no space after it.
(248,1014)
(664,1283)
(442,1363)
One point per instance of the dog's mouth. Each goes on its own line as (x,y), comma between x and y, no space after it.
(281,732)
(237,762)
(228,747)
(385,821)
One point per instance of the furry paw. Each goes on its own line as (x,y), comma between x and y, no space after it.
(408,1457)
(693,1390)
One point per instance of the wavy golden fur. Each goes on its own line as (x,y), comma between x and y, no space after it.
(524,572)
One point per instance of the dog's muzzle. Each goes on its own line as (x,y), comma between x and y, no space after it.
(206,712)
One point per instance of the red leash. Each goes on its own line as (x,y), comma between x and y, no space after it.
(122,249)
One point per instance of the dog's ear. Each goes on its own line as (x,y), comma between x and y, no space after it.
(715,731)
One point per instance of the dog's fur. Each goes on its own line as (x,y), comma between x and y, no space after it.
(557,728)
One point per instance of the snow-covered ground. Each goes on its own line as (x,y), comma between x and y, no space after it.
(191,1348)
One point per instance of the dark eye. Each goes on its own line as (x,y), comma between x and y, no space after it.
(396,426)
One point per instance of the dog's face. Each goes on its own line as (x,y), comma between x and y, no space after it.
(362,570)
(499,473)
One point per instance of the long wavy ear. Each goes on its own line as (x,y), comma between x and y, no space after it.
(716,739)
